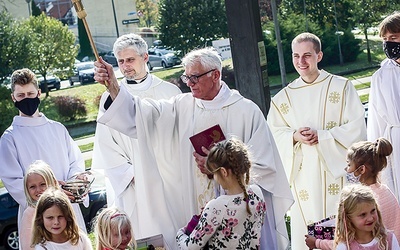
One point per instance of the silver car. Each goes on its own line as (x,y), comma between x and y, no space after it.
(83,73)
(162,58)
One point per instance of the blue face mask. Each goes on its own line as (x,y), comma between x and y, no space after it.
(352,178)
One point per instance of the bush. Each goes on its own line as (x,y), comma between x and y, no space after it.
(97,100)
(70,107)
(7,109)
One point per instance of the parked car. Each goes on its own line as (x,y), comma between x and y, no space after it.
(9,215)
(97,202)
(83,73)
(53,82)
(8,220)
(162,58)
(110,58)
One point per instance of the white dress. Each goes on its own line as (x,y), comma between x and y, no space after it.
(29,139)
(163,129)
(83,244)
(384,118)
(372,245)
(331,106)
(117,156)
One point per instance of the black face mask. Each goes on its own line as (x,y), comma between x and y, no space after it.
(28,106)
(392,50)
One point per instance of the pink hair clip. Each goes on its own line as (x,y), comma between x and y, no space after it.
(115,215)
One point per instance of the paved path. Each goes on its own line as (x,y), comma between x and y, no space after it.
(361,81)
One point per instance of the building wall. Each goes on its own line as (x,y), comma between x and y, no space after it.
(100,18)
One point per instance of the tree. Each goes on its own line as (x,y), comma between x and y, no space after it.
(266,9)
(350,13)
(147,11)
(185,25)
(368,14)
(13,41)
(322,12)
(52,46)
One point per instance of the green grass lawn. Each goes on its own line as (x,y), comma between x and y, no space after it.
(86,147)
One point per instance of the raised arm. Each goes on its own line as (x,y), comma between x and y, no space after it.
(104,74)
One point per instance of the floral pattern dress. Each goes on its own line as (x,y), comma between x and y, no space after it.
(225,223)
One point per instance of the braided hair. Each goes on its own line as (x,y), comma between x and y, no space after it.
(232,154)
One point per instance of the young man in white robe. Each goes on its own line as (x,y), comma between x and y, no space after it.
(163,129)
(384,100)
(32,136)
(116,154)
(313,120)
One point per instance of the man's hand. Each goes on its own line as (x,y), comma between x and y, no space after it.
(201,161)
(306,135)
(104,74)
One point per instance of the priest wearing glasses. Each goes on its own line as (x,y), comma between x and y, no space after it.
(173,172)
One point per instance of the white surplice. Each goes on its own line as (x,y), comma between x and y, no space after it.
(38,138)
(384,118)
(163,129)
(331,106)
(117,156)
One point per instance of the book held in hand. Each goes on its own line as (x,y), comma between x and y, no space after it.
(324,229)
(207,138)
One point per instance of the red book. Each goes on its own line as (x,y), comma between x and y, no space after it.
(207,138)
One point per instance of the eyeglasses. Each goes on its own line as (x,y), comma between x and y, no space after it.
(194,78)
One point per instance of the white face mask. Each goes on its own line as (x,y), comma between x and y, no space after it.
(352,178)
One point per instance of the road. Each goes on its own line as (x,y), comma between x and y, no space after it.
(65,83)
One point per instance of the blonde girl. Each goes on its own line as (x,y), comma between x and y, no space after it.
(36,180)
(113,230)
(233,220)
(55,225)
(359,222)
(365,161)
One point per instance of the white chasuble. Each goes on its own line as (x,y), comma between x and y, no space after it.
(331,106)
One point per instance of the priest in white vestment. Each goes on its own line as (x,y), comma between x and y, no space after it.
(116,154)
(32,136)
(163,129)
(384,101)
(314,120)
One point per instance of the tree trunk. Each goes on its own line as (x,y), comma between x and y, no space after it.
(368,49)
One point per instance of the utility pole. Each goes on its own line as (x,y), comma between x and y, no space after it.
(248,51)
(338,35)
(281,59)
(305,14)
(115,18)
(29,7)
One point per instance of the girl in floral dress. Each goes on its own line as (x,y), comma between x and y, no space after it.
(233,220)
